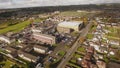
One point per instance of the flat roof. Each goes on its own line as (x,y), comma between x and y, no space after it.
(40,47)
(10,48)
(27,55)
(44,35)
(70,24)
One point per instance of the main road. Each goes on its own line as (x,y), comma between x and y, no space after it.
(72,50)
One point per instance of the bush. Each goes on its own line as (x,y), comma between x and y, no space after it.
(61,53)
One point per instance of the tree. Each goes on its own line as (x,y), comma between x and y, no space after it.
(82,39)
(118,33)
(15,66)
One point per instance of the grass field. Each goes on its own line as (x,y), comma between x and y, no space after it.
(3,25)
(90,36)
(75,13)
(113,33)
(7,23)
(61,53)
(15,28)
(7,63)
(71,64)
(81,49)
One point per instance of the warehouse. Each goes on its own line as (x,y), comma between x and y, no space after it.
(40,49)
(48,39)
(67,27)
(5,39)
(27,56)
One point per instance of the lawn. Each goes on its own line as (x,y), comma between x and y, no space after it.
(71,64)
(74,33)
(7,23)
(106,59)
(7,63)
(74,13)
(39,19)
(113,38)
(61,53)
(81,49)
(15,28)
(113,33)
(78,56)
(3,25)
(73,60)
(89,36)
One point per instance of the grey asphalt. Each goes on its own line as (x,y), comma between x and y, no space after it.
(72,50)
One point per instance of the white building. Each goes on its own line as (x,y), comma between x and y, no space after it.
(48,39)
(76,26)
(36,30)
(40,49)
(5,39)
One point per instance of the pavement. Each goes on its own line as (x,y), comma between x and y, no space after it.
(72,50)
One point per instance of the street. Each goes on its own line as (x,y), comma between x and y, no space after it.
(72,50)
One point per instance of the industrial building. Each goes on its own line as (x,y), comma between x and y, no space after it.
(5,39)
(67,27)
(27,56)
(48,39)
(40,49)
(10,50)
(36,30)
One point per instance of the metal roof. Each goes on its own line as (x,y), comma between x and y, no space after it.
(69,24)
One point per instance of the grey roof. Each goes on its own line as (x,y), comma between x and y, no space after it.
(27,55)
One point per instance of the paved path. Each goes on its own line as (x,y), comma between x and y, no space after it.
(72,50)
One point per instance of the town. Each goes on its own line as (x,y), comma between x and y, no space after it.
(62,39)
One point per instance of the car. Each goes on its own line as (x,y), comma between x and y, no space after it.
(50,52)
(39,65)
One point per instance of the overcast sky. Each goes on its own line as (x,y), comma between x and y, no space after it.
(30,3)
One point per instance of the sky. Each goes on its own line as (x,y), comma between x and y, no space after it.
(33,3)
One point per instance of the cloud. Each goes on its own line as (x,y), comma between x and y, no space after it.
(30,3)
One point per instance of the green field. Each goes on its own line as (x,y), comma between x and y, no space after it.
(7,63)
(81,49)
(75,13)
(90,36)
(61,53)
(5,27)
(113,34)
(15,28)
(71,64)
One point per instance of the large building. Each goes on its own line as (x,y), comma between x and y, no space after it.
(5,39)
(40,49)
(27,56)
(67,27)
(10,49)
(48,39)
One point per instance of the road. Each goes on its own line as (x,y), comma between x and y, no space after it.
(72,50)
